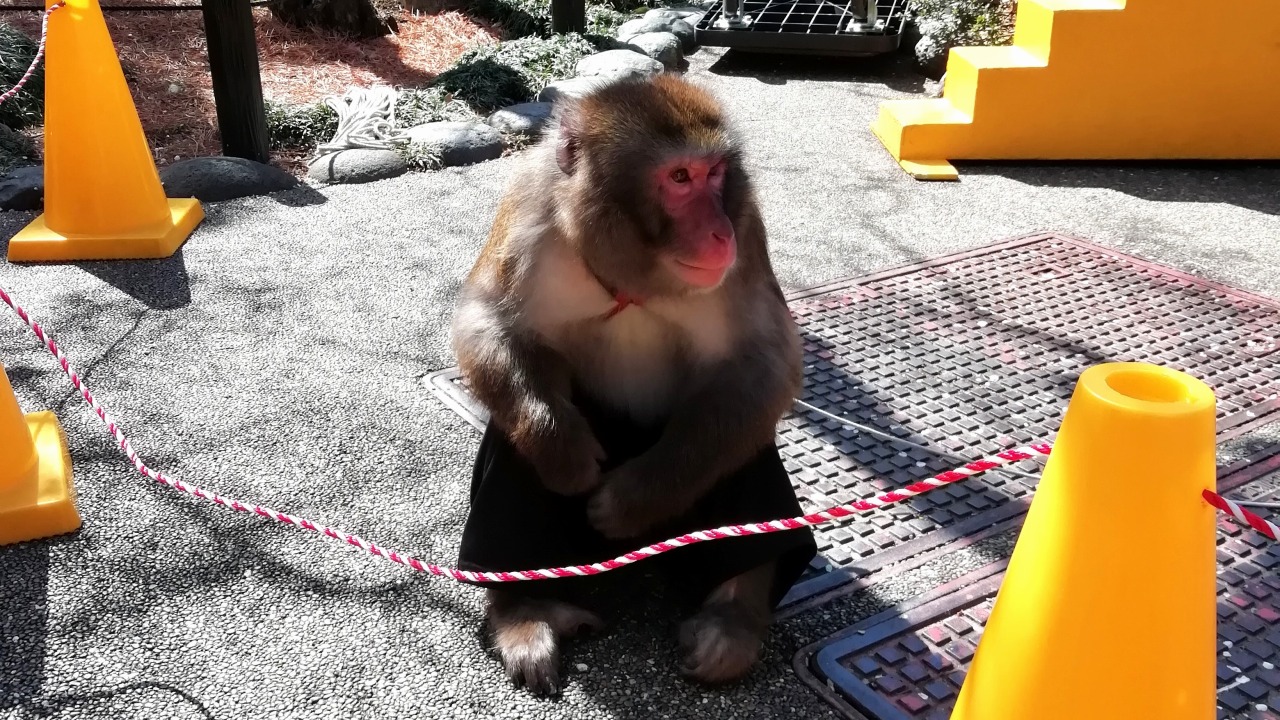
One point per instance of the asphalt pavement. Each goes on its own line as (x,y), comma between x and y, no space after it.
(280,358)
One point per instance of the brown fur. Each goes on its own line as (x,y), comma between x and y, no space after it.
(716,367)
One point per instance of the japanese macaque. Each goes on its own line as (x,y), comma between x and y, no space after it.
(625,330)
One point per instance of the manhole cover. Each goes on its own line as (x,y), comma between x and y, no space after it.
(910,665)
(975,353)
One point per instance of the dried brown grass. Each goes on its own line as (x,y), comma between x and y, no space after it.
(163,55)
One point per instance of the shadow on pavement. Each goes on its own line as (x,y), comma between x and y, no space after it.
(1248,185)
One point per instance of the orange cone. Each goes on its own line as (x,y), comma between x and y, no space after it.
(37,498)
(1107,609)
(102,198)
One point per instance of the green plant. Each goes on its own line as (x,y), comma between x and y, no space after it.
(420,156)
(520,18)
(491,76)
(16,150)
(415,106)
(299,126)
(17,51)
(966,22)
(525,18)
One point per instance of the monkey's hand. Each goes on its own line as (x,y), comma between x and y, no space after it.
(625,506)
(562,449)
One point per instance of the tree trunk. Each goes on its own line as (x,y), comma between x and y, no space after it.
(355,18)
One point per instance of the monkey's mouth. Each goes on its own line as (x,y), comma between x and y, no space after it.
(700,275)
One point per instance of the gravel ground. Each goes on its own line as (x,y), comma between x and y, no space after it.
(280,358)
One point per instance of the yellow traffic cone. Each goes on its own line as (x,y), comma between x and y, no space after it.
(1107,609)
(102,195)
(37,498)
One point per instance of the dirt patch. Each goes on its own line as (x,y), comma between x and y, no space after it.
(164,59)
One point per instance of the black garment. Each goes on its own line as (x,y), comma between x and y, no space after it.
(516,523)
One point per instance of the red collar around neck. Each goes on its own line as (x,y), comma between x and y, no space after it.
(621,300)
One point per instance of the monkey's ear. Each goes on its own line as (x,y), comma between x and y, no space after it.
(569,139)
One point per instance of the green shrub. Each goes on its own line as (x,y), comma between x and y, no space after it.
(525,18)
(299,126)
(519,18)
(415,106)
(420,156)
(16,150)
(16,53)
(944,24)
(491,76)
(966,22)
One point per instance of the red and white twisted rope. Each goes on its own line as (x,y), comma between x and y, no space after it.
(44,35)
(1241,515)
(823,516)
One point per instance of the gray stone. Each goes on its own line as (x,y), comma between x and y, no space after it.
(931,57)
(672,15)
(459,143)
(211,179)
(661,46)
(618,64)
(570,88)
(523,119)
(357,165)
(639,26)
(684,30)
(22,189)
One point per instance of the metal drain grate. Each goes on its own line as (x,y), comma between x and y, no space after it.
(808,27)
(911,665)
(974,353)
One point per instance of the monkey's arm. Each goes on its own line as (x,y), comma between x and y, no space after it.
(724,423)
(525,386)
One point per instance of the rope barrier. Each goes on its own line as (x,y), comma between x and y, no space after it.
(44,37)
(1241,515)
(830,514)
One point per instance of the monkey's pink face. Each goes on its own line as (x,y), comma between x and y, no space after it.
(705,247)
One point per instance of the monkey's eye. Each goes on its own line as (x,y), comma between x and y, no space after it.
(680,175)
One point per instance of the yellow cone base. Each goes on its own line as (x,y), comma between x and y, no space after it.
(37,243)
(44,505)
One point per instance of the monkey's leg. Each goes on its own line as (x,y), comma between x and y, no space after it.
(739,581)
(723,641)
(517,523)
(528,631)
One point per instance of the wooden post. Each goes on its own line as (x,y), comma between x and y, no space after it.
(237,83)
(568,16)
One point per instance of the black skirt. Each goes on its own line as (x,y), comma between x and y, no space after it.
(516,523)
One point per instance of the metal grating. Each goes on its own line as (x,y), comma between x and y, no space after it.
(974,353)
(910,665)
(808,26)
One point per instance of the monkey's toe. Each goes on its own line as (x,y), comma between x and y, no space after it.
(533,668)
(531,656)
(720,645)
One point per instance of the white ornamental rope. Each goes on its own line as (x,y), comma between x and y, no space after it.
(366,120)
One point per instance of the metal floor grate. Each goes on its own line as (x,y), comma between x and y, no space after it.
(807,26)
(910,663)
(975,353)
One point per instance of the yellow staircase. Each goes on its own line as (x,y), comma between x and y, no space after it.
(1103,80)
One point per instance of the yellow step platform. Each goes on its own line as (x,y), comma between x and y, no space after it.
(1102,80)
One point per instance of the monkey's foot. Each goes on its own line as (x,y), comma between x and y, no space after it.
(527,635)
(721,643)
